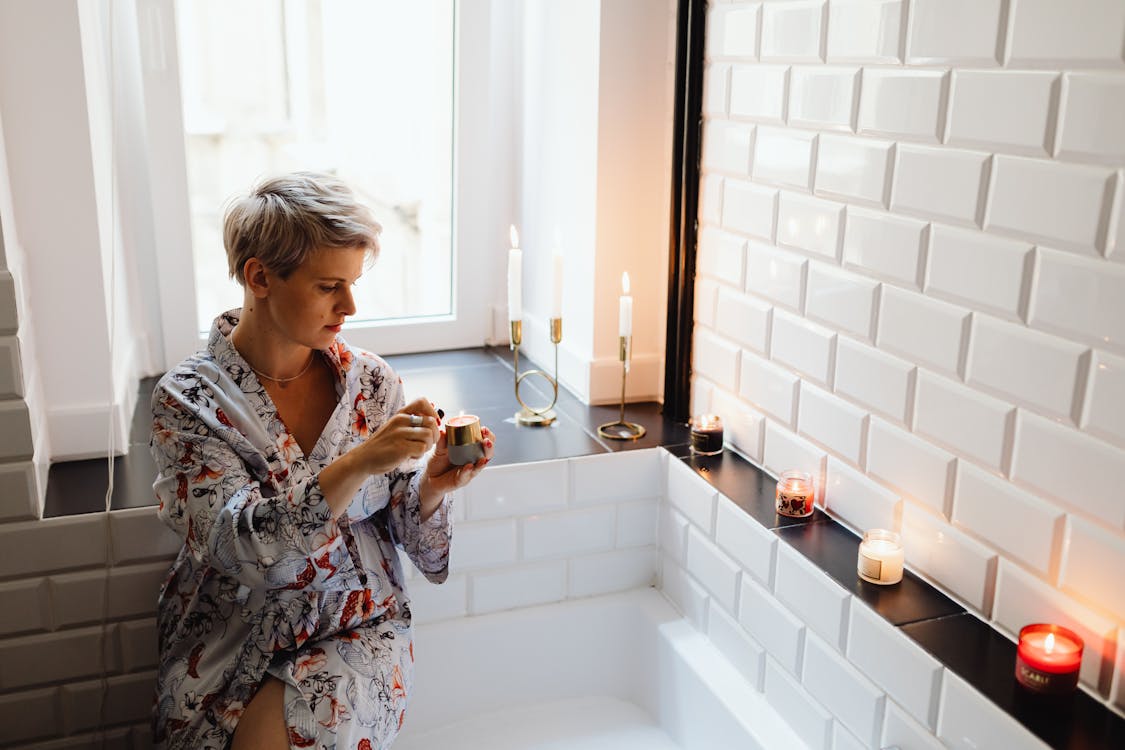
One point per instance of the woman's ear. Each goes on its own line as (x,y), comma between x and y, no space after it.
(257,279)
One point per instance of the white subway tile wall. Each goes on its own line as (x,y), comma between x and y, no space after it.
(946,296)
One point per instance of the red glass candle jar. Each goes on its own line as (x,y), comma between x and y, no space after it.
(1048,659)
(795,494)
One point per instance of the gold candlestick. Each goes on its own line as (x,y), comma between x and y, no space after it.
(528,415)
(622,430)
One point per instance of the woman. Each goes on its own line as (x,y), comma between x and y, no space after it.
(286,465)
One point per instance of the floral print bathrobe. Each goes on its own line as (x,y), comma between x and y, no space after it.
(266,581)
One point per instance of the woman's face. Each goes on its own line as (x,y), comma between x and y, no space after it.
(311,305)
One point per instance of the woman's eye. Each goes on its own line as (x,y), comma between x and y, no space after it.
(327,289)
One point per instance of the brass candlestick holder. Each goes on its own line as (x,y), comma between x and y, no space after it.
(622,430)
(528,415)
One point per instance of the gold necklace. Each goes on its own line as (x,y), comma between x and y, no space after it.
(283,381)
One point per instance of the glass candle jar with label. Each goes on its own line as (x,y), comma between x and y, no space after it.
(1048,659)
(880,557)
(707,435)
(795,494)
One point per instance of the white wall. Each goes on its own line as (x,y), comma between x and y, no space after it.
(911,282)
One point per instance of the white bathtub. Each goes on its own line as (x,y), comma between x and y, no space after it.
(620,671)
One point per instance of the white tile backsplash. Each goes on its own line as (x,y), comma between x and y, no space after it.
(909,464)
(775,274)
(963,420)
(784,157)
(1080,298)
(963,565)
(841,299)
(877,380)
(791,31)
(968,720)
(1045,33)
(1104,414)
(749,208)
(759,92)
(597,478)
(809,593)
(1011,110)
(574,532)
(518,489)
(868,31)
(747,542)
(771,388)
(691,495)
(744,319)
(620,570)
(714,569)
(1092,561)
(840,688)
(811,225)
(802,345)
(902,731)
(775,627)
(903,103)
(832,422)
(860,502)
(945,184)
(972,268)
(854,169)
(823,97)
(922,329)
(886,246)
(1092,118)
(811,721)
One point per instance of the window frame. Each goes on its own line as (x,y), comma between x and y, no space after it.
(474,216)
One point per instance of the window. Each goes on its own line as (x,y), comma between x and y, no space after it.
(367,90)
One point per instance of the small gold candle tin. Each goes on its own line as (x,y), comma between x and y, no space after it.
(463,439)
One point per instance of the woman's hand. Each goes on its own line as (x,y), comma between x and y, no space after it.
(406,435)
(442,476)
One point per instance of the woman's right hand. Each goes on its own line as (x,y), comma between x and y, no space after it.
(401,438)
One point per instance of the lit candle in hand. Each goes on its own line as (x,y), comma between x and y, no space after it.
(556,296)
(625,311)
(515,276)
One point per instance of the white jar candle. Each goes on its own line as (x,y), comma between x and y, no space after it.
(880,557)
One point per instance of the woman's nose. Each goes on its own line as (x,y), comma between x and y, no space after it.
(347,307)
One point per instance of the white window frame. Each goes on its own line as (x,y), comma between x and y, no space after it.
(476,212)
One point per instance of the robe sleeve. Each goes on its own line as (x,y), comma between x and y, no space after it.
(238,525)
(426,543)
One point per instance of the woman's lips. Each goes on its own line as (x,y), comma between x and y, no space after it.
(336,328)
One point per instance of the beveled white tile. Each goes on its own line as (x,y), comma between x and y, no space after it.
(903,103)
(721,256)
(812,596)
(749,208)
(864,30)
(804,346)
(734,30)
(860,502)
(832,422)
(842,739)
(727,147)
(810,224)
(672,528)
(778,275)
(706,301)
(974,268)
(772,625)
(902,731)
(1032,368)
(1050,202)
(823,97)
(785,451)
(852,168)
(636,522)
(1092,118)
(749,543)
(714,569)
(744,319)
(875,379)
(711,199)
(1010,110)
(1115,245)
(518,489)
(691,495)
(793,31)
(685,594)
(716,83)
(841,299)
(1021,598)
(483,544)
(909,464)
(715,358)
(1046,33)
(894,662)
(759,92)
(939,183)
(743,652)
(887,246)
(962,565)
(1092,561)
(613,477)
(1104,413)
(969,720)
(620,570)
(1049,456)
(784,157)
(922,329)
(1080,298)
(771,388)
(524,586)
(840,688)
(574,532)
(986,505)
(742,424)
(965,32)
(811,722)
(962,419)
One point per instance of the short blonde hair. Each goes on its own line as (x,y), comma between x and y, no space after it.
(285,219)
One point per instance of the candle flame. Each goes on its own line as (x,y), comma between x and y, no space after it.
(1049,643)
(625,282)
(514,235)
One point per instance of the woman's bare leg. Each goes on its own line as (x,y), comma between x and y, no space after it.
(262,726)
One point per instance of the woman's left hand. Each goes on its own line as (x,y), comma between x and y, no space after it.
(443,476)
